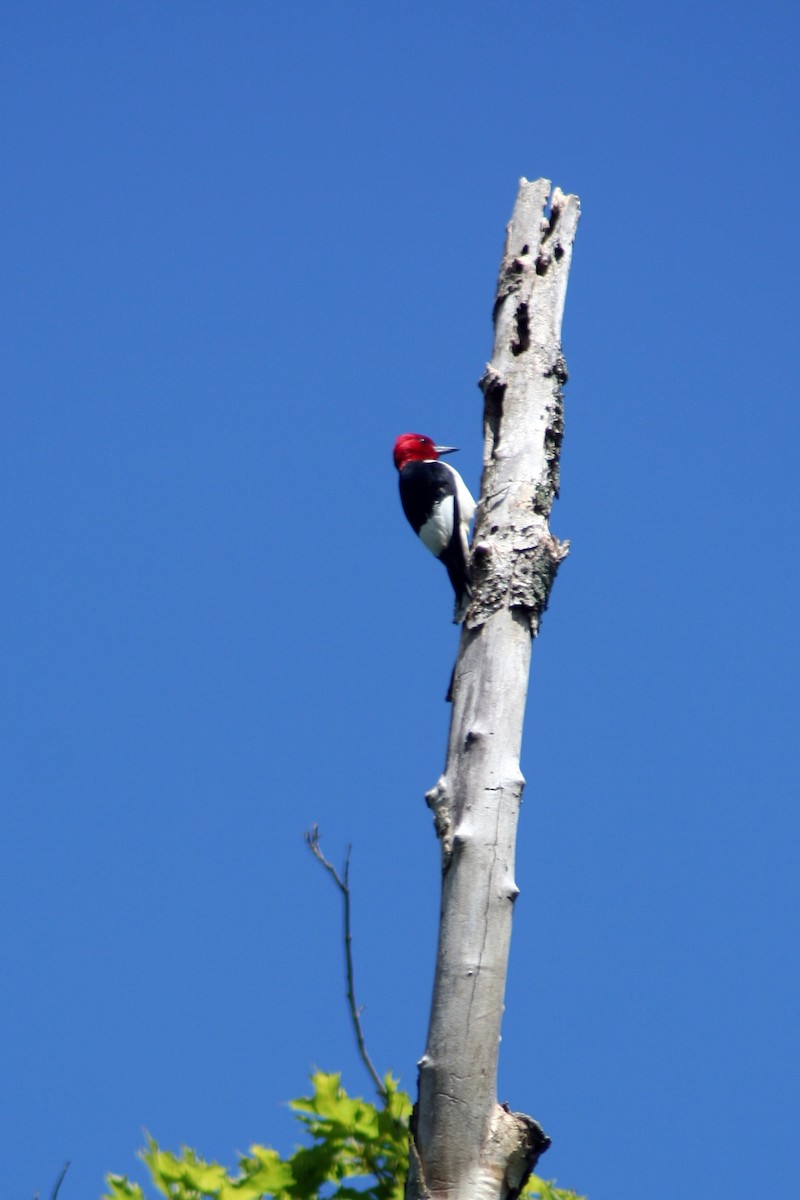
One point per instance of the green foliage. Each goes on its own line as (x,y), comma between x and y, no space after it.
(358,1151)
(540,1189)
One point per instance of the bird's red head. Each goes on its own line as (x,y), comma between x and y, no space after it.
(415,447)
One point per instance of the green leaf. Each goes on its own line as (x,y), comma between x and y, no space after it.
(540,1189)
(121,1188)
(266,1172)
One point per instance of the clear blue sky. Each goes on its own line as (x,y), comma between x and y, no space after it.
(244,246)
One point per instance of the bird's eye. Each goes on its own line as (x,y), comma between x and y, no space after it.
(423,441)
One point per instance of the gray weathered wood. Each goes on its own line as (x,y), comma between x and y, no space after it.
(465,1146)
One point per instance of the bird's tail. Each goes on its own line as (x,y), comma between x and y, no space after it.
(463,597)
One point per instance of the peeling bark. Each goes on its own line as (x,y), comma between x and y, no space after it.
(464,1145)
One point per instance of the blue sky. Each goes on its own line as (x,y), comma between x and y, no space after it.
(244,246)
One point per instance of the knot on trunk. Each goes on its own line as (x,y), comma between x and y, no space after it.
(438,801)
(519,1142)
(517,570)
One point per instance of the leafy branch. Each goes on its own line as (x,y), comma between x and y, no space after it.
(352,1144)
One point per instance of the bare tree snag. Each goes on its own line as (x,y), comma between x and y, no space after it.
(464,1145)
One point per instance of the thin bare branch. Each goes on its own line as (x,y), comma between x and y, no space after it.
(59,1181)
(57,1184)
(343,883)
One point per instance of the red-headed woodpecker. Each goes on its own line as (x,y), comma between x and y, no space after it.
(439,507)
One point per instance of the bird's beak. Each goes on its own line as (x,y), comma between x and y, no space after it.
(446,449)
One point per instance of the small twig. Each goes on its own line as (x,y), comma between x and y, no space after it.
(58,1183)
(343,883)
(60,1180)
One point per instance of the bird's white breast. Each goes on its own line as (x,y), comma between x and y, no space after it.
(438,529)
(466,504)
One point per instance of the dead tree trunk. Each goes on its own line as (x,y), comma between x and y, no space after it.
(464,1145)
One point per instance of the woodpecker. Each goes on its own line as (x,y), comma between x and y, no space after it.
(439,508)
